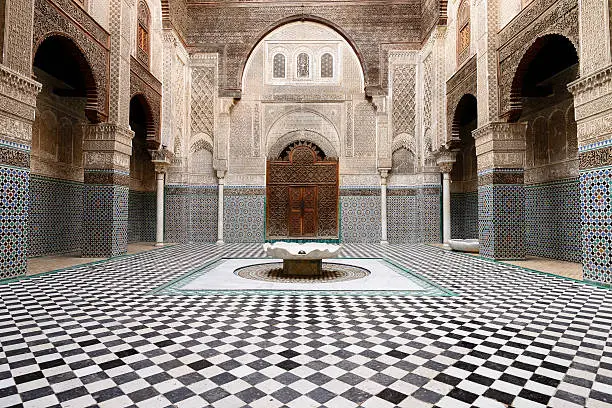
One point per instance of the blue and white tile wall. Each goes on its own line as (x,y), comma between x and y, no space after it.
(105,220)
(244,214)
(464,215)
(360,214)
(55,218)
(413,214)
(191,213)
(596,211)
(552,220)
(501,211)
(142,216)
(14,195)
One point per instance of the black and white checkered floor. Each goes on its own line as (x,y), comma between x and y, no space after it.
(92,336)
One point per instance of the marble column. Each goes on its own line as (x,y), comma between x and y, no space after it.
(445,159)
(221,176)
(159,225)
(383,206)
(500,149)
(161,160)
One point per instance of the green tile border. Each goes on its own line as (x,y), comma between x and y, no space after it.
(170,288)
(584,282)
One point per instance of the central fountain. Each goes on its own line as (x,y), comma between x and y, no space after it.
(302,259)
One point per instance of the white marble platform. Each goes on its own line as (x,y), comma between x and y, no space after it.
(382,277)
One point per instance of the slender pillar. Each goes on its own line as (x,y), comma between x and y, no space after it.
(445,158)
(161,159)
(221,176)
(159,231)
(446,208)
(383,206)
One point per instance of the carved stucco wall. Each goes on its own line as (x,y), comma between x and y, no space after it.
(539,18)
(240,29)
(66,18)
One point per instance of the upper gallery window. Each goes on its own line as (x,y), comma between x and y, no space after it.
(303,65)
(463,33)
(142,36)
(327,66)
(278,68)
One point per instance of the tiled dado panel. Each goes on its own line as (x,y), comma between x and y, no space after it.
(360,214)
(14,202)
(191,213)
(413,214)
(501,214)
(105,220)
(464,215)
(596,215)
(141,216)
(552,220)
(244,214)
(14,190)
(55,218)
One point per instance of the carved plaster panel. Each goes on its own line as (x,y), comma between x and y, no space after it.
(65,18)
(142,82)
(540,18)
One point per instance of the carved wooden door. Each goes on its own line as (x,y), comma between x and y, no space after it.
(302,211)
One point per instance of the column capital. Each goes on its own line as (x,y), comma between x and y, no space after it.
(384,174)
(161,159)
(500,145)
(593,108)
(226,105)
(445,158)
(107,146)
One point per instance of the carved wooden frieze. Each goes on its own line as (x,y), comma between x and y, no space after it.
(463,82)
(539,18)
(142,82)
(66,18)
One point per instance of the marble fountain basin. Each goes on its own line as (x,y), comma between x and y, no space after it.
(302,259)
(464,245)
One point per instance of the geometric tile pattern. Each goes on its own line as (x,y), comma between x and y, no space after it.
(464,215)
(403,220)
(552,220)
(91,335)
(596,216)
(244,217)
(141,216)
(501,219)
(14,200)
(55,218)
(414,217)
(430,203)
(360,218)
(105,220)
(191,213)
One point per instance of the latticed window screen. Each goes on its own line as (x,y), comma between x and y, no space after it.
(278,69)
(303,65)
(464,32)
(327,66)
(142,35)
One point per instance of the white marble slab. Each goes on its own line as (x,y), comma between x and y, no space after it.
(382,277)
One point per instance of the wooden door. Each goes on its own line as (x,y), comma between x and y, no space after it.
(302,211)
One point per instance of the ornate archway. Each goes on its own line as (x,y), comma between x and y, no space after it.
(302,194)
